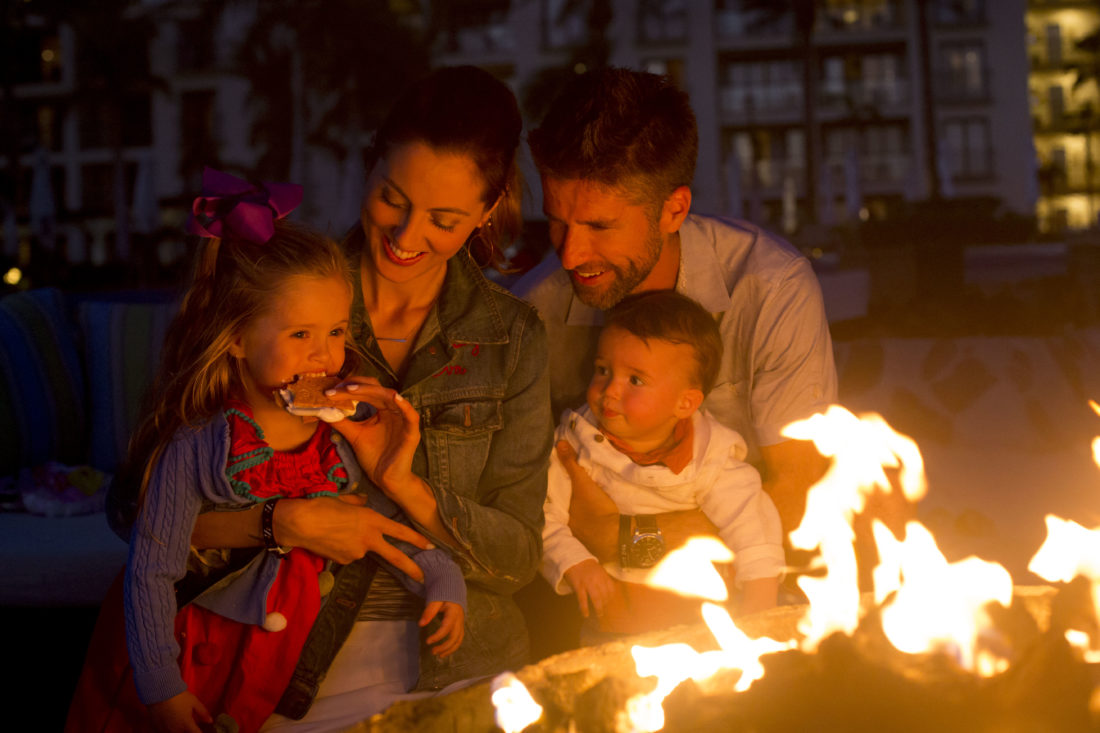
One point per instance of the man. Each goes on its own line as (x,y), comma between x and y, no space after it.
(616,155)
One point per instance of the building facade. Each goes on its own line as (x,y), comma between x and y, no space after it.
(1065,110)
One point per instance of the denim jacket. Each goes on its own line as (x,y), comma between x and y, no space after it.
(477,376)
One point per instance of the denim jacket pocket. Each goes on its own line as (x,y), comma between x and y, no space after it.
(458,436)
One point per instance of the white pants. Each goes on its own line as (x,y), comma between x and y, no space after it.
(376,666)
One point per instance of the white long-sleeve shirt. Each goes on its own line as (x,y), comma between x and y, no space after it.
(717,481)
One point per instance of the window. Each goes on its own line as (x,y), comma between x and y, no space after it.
(199,144)
(565,23)
(963,77)
(755,86)
(662,21)
(967,149)
(959,12)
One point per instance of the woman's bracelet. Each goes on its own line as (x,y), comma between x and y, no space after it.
(267,528)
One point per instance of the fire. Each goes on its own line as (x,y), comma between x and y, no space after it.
(689,570)
(940,606)
(861,450)
(515,708)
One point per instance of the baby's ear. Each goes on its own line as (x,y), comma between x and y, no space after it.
(689,402)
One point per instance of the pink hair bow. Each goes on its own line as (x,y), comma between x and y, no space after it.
(230,205)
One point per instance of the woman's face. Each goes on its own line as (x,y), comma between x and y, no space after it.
(420,207)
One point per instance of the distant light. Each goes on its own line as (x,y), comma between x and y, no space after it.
(579,68)
(48,55)
(864,214)
(851,16)
(816,253)
(13,276)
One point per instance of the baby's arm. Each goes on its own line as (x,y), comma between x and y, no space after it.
(748,523)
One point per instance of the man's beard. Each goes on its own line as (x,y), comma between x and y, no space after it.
(626,277)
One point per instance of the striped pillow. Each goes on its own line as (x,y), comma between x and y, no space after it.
(122,350)
(42,410)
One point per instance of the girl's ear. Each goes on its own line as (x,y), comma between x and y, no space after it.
(236,347)
(689,402)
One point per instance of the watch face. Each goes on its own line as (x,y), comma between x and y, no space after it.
(647,551)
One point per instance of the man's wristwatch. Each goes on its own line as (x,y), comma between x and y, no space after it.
(641,544)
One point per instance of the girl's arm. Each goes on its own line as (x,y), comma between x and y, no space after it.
(158,558)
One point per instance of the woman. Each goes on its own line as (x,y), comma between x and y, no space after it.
(468,357)
(468,361)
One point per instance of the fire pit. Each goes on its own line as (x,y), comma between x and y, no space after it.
(937,646)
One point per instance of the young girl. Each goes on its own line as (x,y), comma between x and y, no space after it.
(269,301)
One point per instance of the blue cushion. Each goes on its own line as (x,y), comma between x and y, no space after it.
(122,349)
(42,410)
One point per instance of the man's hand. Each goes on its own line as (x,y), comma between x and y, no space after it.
(594,518)
(179,714)
(593,586)
(448,637)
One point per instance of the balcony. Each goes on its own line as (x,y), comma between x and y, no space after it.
(860,16)
(961,86)
(1069,122)
(865,98)
(745,106)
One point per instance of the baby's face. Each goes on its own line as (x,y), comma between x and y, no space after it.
(640,389)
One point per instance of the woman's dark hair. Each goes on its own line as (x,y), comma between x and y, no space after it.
(468,111)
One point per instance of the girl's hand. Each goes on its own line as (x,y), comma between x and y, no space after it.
(448,637)
(178,714)
(341,529)
(385,442)
(593,586)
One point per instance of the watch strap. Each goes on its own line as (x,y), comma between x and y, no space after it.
(646,523)
(626,535)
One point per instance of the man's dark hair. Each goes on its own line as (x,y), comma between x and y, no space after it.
(666,315)
(621,128)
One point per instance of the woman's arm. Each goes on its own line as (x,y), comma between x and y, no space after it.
(500,533)
(340,529)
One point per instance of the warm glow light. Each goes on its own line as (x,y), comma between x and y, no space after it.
(860,449)
(689,570)
(671,664)
(515,708)
(13,276)
(940,606)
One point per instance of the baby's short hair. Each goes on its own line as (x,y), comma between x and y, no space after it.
(669,316)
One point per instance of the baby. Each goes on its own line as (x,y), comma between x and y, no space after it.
(645,440)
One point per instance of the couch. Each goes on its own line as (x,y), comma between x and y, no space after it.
(73,371)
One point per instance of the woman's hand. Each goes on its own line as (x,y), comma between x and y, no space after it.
(448,637)
(342,529)
(179,714)
(385,442)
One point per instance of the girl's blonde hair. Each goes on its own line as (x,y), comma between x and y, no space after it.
(234,281)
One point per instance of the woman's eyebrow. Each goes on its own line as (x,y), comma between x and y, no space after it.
(441,209)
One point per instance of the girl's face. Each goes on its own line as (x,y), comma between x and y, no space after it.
(300,332)
(420,207)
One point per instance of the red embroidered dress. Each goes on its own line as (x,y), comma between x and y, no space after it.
(242,669)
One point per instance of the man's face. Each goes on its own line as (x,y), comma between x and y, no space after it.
(608,243)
